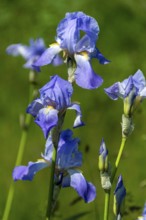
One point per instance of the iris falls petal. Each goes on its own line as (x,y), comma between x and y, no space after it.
(85,77)
(28,172)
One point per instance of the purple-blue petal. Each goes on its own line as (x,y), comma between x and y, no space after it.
(78,120)
(139,80)
(84,189)
(57,61)
(85,77)
(18,49)
(34,107)
(68,32)
(68,154)
(48,56)
(113,91)
(28,172)
(98,55)
(47,119)
(103,150)
(59,91)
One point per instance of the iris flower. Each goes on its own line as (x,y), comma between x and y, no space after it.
(132,90)
(69,159)
(77,49)
(55,97)
(31,53)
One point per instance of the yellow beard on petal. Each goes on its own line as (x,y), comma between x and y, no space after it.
(84,54)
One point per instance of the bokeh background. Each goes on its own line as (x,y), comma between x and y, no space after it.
(122,39)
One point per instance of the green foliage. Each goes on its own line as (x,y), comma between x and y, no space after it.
(122,40)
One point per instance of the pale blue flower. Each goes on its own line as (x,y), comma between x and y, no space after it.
(79,49)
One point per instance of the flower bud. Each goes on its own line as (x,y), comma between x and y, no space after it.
(103,157)
(119,196)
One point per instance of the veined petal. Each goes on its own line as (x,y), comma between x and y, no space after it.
(34,107)
(58,91)
(139,80)
(113,91)
(85,77)
(28,172)
(78,122)
(97,54)
(48,56)
(85,189)
(67,154)
(47,119)
(68,34)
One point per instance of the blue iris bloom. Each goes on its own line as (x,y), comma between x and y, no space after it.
(55,97)
(135,83)
(132,90)
(31,53)
(77,48)
(69,159)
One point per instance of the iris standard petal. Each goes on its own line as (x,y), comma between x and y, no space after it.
(139,80)
(78,120)
(48,56)
(47,119)
(85,77)
(28,172)
(59,91)
(85,189)
(68,155)
(68,32)
(67,35)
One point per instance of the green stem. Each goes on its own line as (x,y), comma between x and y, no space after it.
(55,139)
(18,161)
(51,186)
(107,194)
(106,205)
(123,142)
(25,126)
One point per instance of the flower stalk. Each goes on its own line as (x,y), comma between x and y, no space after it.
(55,139)
(24,124)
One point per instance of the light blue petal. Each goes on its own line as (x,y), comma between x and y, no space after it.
(28,172)
(18,49)
(85,189)
(48,56)
(34,107)
(78,122)
(57,90)
(85,77)
(113,91)
(47,119)
(139,81)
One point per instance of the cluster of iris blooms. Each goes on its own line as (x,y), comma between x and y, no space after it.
(54,100)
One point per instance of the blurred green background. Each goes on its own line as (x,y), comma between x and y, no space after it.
(122,39)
